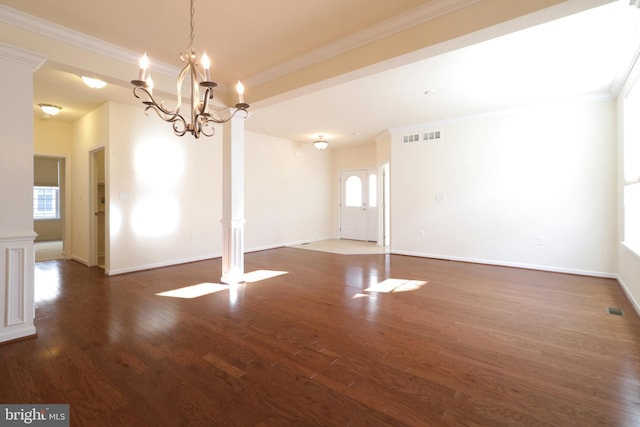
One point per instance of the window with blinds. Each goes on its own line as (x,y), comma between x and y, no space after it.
(46,188)
(46,203)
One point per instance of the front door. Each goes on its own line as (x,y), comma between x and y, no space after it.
(358,210)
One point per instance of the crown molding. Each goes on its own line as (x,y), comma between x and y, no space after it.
(628,62)
(416,16)
(57,32)
(396,24)
(21,56)
(589,98)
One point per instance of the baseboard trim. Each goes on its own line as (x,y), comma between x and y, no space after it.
(195,259)
(18,334)
(160,265)
(634,303)
(80,260)
(294,243)
(553,269)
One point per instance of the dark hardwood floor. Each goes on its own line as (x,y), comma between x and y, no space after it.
(474,345)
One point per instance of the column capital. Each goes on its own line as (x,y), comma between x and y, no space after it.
(21,56)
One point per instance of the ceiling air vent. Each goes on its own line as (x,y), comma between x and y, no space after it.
(422,136)
(430,136)
(414,137)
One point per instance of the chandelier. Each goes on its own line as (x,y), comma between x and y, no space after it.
(199,76)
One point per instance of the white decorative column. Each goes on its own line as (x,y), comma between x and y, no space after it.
(233,200)
(17,259)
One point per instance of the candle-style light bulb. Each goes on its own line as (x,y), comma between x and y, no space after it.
(144,64)
(240,89)
(206,63)
(149,82)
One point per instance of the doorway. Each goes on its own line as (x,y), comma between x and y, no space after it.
(50,207)
(98,214)
(384,238)
(359,204)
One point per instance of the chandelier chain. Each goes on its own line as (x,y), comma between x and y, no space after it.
(193,25)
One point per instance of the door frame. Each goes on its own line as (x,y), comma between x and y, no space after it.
(65,199)
(67,223)
(384,214)
(382,202)
(93,202)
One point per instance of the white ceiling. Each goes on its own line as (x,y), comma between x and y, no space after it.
(580,55)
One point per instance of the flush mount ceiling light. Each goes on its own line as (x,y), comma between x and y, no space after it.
(49,110)
(93,83)
(199,76)
(320,143)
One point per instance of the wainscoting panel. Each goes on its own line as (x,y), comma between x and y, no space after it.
(14,305)
(17,264)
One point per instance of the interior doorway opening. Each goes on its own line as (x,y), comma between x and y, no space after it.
(98,224)
(50,207)
(385,224)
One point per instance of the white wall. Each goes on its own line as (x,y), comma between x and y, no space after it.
(510,180)
(287,192)
(52,137)
(91,132)
(628,266)
(164,193)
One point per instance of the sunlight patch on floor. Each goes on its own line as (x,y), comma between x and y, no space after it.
(256,276)
(202,289)
(194,291)
(47,284)
(392,285)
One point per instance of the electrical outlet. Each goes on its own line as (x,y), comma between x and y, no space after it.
(421,234)
(540,241)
